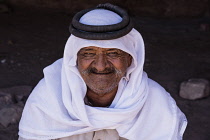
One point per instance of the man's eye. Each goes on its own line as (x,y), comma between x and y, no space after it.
(112,54)
(89,54)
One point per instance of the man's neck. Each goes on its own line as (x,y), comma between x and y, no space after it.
(100,99)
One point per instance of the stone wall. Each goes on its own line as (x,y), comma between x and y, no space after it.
(157,8)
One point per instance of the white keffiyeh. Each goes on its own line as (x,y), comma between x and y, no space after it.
(141,110)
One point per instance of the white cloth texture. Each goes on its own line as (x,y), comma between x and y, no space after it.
(141,110)
(104,134)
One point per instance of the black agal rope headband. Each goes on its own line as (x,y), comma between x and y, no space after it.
(101,32)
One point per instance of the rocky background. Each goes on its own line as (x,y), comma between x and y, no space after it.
(177,39)
(160,8)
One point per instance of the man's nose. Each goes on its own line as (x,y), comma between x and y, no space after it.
(100,62)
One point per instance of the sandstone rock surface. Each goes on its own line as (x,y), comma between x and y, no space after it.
(11,104)
(194,89)
(18,93)
(10,115)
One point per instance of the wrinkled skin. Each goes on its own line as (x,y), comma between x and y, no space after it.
(102,69)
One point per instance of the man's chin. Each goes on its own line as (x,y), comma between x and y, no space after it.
(102,90)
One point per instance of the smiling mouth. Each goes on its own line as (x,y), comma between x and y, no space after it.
(100,73)
(94,71)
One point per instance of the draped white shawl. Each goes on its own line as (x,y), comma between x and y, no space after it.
(141,110)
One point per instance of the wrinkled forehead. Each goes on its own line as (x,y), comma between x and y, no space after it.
(96,49)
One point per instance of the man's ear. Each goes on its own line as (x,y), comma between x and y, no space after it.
(130,58)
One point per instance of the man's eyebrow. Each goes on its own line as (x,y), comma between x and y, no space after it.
(87,49)
(113,49)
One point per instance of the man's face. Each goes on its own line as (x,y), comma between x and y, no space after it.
(102,68)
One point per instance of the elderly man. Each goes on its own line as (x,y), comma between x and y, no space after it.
(98,90)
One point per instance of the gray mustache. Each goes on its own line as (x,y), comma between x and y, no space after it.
(105,71)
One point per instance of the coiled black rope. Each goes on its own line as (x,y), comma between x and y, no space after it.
(101,32)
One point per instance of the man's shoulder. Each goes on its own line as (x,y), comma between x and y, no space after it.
(158,95)
(51,80)
(154,86)
(54,67)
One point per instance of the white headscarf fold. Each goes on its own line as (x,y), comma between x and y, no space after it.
(142,109)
